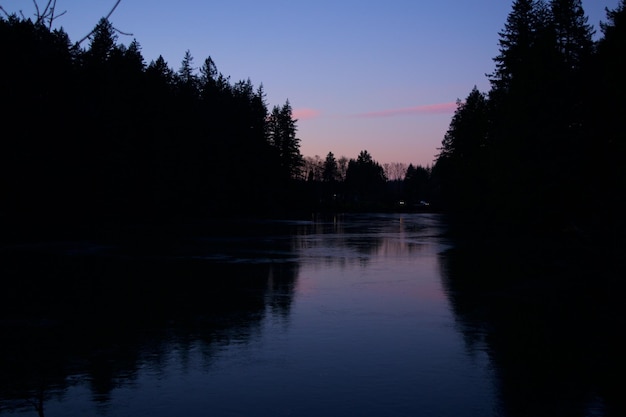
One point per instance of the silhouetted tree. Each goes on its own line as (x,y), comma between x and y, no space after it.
(37,83)
(186,78)
(536,132)
(417,185)
(330,173)
(281,130)
(365,181)
(606,137)
(572,32)
(463,165)
(102,44)
(563,163)
(519,42)
(612,87)
(161,72)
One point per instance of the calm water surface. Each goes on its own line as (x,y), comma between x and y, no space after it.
(353,315)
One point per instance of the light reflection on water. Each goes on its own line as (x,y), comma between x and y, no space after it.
(343,316)
(364,330)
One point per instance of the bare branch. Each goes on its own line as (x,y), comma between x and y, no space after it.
(60,14)
(52,4)
(37,10)
(47,12)
(123,33)
(7,14)
(113,9)
(4,11)
(48,15)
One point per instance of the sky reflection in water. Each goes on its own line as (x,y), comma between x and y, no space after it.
(353,315)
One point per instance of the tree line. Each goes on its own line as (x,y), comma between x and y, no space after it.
(97,132)
(544,150)
(93,132)
(363,184)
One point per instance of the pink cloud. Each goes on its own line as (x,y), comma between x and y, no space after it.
(440,108)
(305,113)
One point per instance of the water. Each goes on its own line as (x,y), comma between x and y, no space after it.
(352,315)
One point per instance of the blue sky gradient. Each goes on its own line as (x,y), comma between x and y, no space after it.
(381,76)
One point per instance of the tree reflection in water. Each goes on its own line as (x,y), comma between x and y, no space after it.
(83,323)
(72,314)
(549,319)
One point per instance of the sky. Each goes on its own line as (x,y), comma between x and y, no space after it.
(380,76)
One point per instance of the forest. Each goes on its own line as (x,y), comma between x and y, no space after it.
(92,133)
(543,152)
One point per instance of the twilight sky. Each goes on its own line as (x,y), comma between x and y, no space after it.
(381,76)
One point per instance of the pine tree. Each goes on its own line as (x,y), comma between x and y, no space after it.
(417,185)
(468,132)
(159,70)
(282,130)
(102,43)
(365,179)
(607,134)
(611,68)
(517,60)
(330,172)
(572,32)
(521,86)
(463,165)
(574,48)
(186,79)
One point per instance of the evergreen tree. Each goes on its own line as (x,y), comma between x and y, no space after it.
(518,60)
(208,81)
(186,80)
(330,173)
(209,70)
(536,112)
(417,185)
(102,43)
(37,81)
(468,131)
(281,131)
(186,71)
(610,70)
(572,32)
(463,165)
(365,181)
(159,71)
(133,58)
(521,84)
(607,134)
(572,37)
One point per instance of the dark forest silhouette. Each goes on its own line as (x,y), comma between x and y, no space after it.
(544,150)
(94,134)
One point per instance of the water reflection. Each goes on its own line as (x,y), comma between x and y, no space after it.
(548,318)
(90,322)
(72,316)
(350,239)
(361,315)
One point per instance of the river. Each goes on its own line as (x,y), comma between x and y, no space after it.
(347,315)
